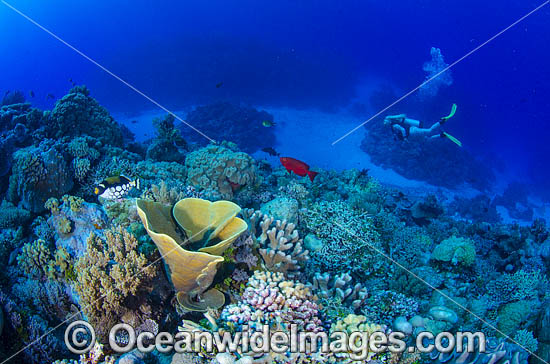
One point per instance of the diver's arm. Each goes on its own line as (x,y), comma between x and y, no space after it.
(398,129)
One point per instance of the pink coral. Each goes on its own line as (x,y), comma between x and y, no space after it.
(270,299)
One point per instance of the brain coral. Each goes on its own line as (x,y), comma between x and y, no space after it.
(219,170)
(79,114)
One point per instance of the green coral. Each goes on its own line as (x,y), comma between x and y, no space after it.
(219,170)
(34,259)
(526,339)
(455,250)
(74,202)
(109,275)
(513,315)
(349,240)
(11,216)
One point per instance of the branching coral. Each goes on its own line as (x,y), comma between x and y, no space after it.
(279,243)
(341,287)
(272,300)
(108,275)
(350,241)
(41,344)
(219,170)
(385,306)
(34,259)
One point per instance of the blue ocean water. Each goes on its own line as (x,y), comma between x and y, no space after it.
(358,226)
(302,55)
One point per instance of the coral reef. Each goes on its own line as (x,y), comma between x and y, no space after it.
(269,299)
(38,174)
(105,289)
(350,242)
(341,287)
(210,229)
(454,250)
(436,161)
(219,171)
(279,243)
(11,216)
(373,256)
(168,143)
(238,124)
(73,220)
(77,113)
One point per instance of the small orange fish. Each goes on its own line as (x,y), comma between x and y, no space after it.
(298,167)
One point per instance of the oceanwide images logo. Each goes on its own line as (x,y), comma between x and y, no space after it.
(80,338)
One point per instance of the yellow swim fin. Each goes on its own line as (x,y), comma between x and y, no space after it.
(451,114)
(452,139)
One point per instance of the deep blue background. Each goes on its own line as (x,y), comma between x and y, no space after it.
(299,54)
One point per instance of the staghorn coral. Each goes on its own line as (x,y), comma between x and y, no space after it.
(219,171)
(279,243)
(350,240)
(341,287)
(109,275)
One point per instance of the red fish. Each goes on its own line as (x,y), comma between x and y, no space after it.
(298,167)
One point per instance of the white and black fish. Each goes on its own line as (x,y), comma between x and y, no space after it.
(116,187)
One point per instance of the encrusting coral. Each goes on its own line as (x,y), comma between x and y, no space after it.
(279,243)
(219,170)
(192,261)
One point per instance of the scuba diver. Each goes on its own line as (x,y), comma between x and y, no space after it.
(403,127)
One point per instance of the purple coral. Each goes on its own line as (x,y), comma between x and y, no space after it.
(269,299)
(240,275)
